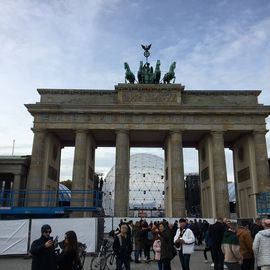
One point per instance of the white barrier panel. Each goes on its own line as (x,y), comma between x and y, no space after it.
(85,228)
(14,237)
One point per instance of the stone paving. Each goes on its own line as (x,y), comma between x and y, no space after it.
(196,263)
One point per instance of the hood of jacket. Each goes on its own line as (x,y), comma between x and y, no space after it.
(230,237)
(265,233)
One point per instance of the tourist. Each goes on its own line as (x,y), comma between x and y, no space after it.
(167,251)
(184,240)
(261,246)
(69,256)
(43,251)
(256,227)
(137,241)
(122,247)
(208,244)
(157,250)
(231,248)
(216,232)
(245,241)
(146,245)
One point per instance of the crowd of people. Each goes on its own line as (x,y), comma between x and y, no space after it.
(233,245)
(164,239)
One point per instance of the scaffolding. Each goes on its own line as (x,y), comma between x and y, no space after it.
(49,202)
(263,204)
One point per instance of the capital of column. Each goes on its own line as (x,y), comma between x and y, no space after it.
(260,132)
(121,131)
(171,132)
(81,131)
(216,132)
(39,130)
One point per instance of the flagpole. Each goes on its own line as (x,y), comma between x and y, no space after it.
(13,145)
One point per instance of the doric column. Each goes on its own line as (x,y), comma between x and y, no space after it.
(16,189)
(121,195)
(36,175)
(79,168)
(262,167)
(220,175)
(36,172)
(177,176)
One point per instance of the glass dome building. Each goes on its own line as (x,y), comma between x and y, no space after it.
(146,186)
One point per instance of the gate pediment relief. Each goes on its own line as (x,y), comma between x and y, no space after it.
(160,94)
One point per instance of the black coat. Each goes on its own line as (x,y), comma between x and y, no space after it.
(167,249)
(122,250)
(42,258)
(66,259)
(216,232)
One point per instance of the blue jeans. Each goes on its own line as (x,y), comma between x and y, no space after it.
(184,259)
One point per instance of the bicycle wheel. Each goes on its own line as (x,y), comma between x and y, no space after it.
(97,263)
(110,262)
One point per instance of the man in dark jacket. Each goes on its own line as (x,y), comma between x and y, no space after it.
(42,250)
(216,232)
(122,247)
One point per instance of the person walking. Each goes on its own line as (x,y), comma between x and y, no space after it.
(122,247)
(184,240)
(69,257)
(157,250)
(208,245)
(216,232)
(167,251)
(245,241)
(43,251)
(231,248)
(261,246)
(137,241)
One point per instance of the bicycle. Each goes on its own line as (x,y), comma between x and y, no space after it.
(98,262)
(110,262)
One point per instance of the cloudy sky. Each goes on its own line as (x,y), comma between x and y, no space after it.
(217,44)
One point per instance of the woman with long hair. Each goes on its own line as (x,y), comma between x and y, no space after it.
(69,255)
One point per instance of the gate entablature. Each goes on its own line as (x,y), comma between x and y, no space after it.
(149,112)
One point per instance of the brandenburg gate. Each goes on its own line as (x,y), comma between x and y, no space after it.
(155,115)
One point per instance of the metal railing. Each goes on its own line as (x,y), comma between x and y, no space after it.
(79,199)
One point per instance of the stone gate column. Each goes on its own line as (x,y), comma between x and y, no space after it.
(79,168)
(16,188)
(220,175)
(174,180)
(121,195)
(262,167)
(36,172)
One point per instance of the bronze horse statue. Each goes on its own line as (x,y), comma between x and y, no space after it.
(140,73)
(129,75)
(170,75)
(156,74)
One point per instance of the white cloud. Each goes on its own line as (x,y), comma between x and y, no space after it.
(83,44)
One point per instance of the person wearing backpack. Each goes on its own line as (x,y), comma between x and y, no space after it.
(185,241)
(122,247)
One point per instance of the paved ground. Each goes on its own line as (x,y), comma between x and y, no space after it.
(196,262)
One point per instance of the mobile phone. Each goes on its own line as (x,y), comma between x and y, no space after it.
(55,241)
